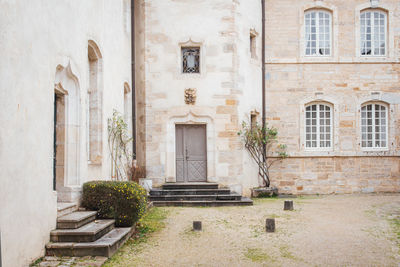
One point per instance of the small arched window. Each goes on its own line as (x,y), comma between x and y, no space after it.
(373,33)
(374,130)
(318,33)
(318,126)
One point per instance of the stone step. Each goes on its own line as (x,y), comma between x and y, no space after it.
(215,203)
(76,219)
(168,186)
(87,233)
(106,246)
(195,197)
(64,208)
(160,192)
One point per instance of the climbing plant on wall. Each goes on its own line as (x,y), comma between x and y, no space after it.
(119,143)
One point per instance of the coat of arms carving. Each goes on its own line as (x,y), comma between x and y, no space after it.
(190,96)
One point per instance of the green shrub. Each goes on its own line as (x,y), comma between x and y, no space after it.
(123,201)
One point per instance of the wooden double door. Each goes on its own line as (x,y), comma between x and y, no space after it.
(191,153)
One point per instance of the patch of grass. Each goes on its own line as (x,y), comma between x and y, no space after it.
(151,222)
(258,201)
(395,223)
(225,223)
(189,233)
(273,216)
(256,231)
(285,253)
(36,262)
(258,255)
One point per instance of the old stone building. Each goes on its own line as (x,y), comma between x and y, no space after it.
(331,84)
(227,82)
(332,91)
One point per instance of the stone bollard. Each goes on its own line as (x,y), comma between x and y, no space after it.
(197,226)
(288,205)
(270,225)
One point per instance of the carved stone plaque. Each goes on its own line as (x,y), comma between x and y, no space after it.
(190,96)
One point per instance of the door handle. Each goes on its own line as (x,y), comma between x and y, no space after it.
(186,153)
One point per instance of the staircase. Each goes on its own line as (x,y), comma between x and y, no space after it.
(196,194)
(79,234)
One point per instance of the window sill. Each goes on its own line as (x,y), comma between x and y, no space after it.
(94,163)
(375,149)
(318,150)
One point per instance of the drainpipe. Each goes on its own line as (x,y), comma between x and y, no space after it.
(263,69)
(0,249)
(133,78)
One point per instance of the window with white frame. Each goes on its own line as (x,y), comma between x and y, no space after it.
(318,126)
(374,126)
(373,33)
(318,33)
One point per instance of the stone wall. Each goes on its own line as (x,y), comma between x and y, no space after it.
(338,175)
(345,80)
(226,86)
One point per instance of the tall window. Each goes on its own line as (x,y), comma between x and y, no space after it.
(318,33)
(191,59)
(373,33)
(253,45)
(318,126)
(95,105)
(374,126)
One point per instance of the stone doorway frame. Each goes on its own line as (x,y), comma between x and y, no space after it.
(67,88)
(190,118)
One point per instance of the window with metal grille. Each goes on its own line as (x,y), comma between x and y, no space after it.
(317,33)
(373,33)
(318,126)
(191,59)
(374,126)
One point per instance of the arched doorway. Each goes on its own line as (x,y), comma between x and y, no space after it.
(66,134)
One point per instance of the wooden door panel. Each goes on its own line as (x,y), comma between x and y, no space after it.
(179,154)
(191,153)
(195,143)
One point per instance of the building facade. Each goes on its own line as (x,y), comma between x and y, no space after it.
(197,140)
(65,65)
(331,84)
(332,91)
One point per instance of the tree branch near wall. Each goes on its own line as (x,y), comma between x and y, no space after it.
(255,137)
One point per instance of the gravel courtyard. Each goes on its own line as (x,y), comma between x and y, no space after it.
(337,230)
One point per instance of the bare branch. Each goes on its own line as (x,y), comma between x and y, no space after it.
(254,137)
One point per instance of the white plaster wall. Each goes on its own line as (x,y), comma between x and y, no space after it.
(36,37)
(249,78)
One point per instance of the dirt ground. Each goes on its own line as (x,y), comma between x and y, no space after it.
(337,230)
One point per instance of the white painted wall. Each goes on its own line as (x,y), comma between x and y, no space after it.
(36,37)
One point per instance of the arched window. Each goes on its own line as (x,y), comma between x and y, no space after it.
(95,105)
(373,33)
(318,126)
(318,41)
(374,126)
(127,106)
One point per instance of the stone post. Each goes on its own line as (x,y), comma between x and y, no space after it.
(288,205)
(197,226)
(270,225)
